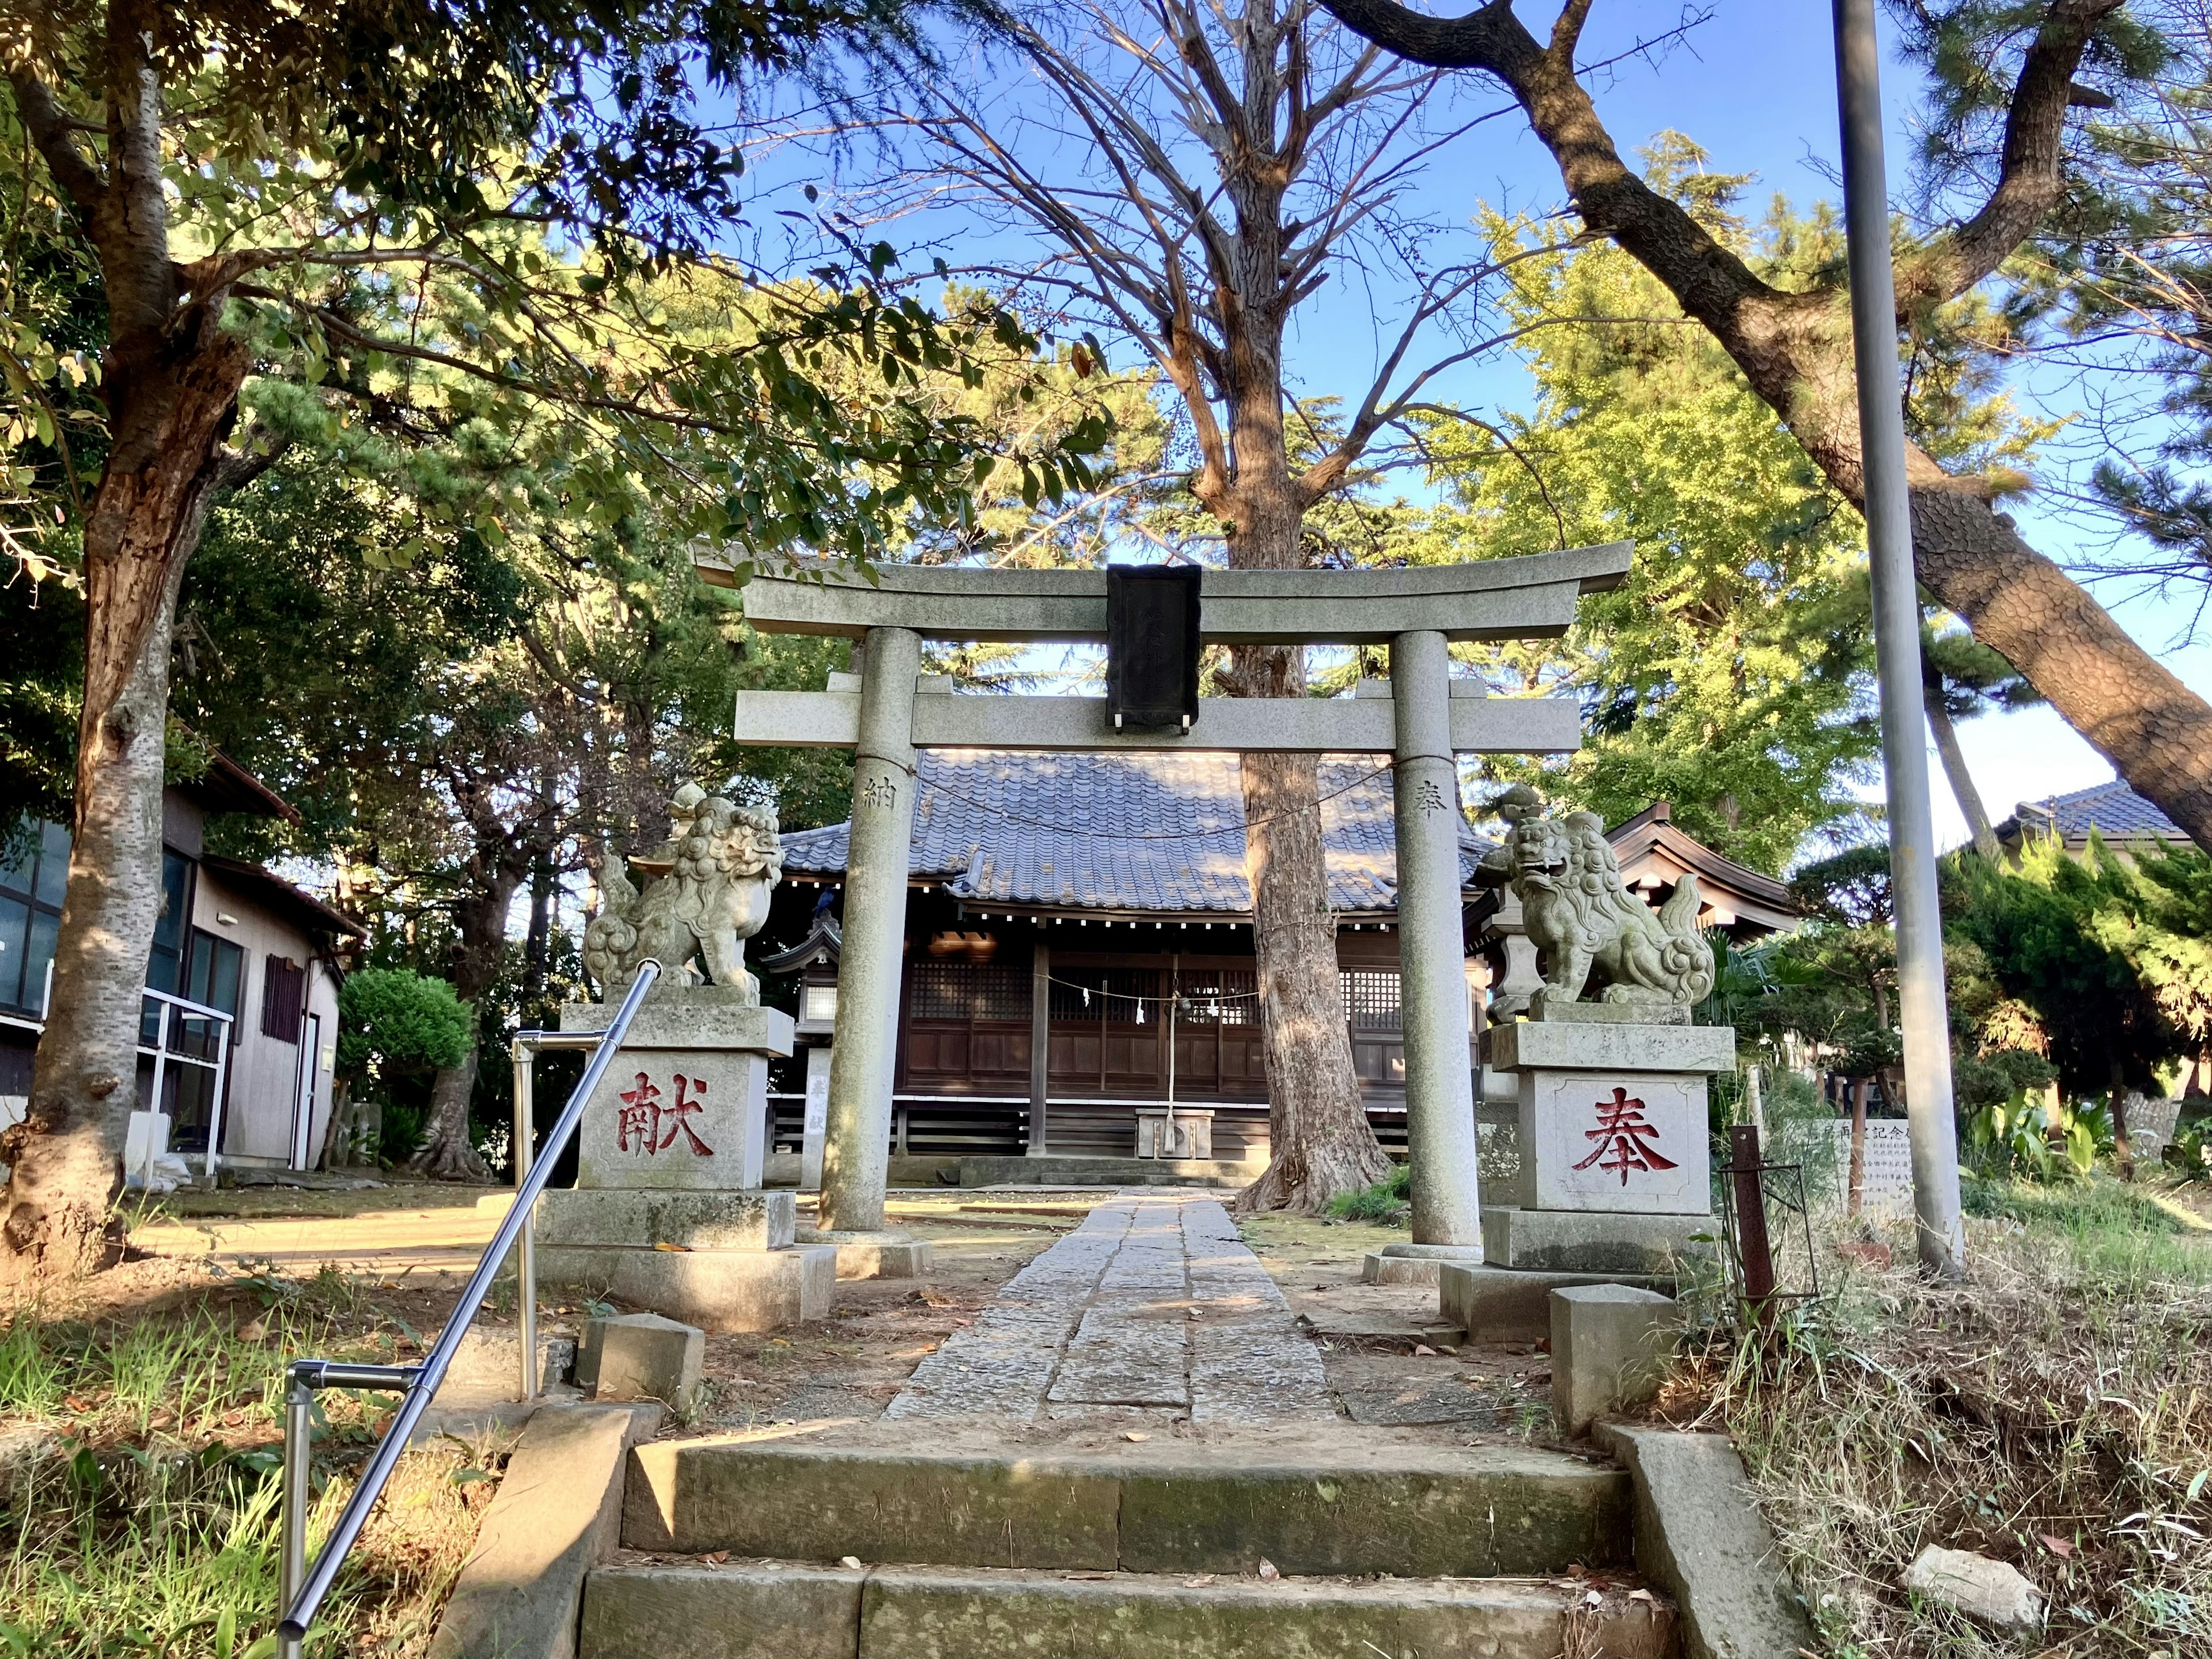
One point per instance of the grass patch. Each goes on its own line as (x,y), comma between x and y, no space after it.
(1387,1203)
(139,1514)
(2054,1413)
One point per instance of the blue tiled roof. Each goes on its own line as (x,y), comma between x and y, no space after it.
(2113,810)
(1141,830)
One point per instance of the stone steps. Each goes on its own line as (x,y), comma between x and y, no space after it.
(769,1610)
(1328,1501)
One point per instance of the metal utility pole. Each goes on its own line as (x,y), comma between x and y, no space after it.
(1897,650)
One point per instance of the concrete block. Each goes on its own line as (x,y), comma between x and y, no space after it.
(1699,1536)
(1456,1514)
(680,1015)
(694,1220)
(1376,1268)
(910,1613)
(1412,1511)
(742,1610)
(720,1291)
(557,1514)
(875,1255)
(1609,1348)
(1579,1047)
(1413,1264)
(488,1365)
(1514,1304)
(1594,1241)
(642,1356)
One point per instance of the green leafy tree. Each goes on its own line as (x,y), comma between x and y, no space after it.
(1730,674)
(412,218)
(1789,332)
(2066,937)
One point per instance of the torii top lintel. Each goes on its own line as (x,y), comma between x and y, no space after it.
(1519,598)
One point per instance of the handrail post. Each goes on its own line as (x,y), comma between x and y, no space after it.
(421,1382)
(526,1251)
(292,1545)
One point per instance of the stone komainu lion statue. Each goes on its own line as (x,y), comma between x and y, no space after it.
(1583,917)
(706,890)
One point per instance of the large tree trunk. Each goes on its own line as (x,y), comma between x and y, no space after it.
(1794,349)
(480,921)
(1954,769)
(1321,1144)
(65,1158)
(1320,1140)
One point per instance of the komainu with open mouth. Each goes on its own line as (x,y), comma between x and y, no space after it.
(1584,919)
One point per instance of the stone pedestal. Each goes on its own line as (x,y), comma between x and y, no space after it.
(1615,1182)
(667,1210)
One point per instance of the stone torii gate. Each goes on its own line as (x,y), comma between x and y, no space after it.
(1423,718)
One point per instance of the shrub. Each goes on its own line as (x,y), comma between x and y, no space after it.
(391,1021)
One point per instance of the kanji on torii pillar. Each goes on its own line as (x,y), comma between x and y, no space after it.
(1423,718)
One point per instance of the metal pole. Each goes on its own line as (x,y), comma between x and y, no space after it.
(292,1545)
(856,1155)
(1440,1132)
(525,1252)
(300,1610)
(1897,650)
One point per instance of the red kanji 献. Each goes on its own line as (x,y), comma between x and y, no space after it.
(654,1125)
(1624,1141)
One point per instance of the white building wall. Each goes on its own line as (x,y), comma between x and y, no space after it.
(259,1119)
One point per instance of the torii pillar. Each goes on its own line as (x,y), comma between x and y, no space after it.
(856,1145)
(1416,612)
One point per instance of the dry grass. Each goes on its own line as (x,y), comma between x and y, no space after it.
(2054,1413)
(139,1514)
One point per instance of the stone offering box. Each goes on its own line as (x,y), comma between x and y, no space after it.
(667,1211)
(1192,1137)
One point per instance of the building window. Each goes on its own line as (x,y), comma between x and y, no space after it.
(1370,998)
(217,972)
(284,998)
(31,889)
(165,962)
(959,990)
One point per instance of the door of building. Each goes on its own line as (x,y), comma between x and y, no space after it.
(303,1091)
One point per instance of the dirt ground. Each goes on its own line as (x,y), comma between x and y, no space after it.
(397,1256)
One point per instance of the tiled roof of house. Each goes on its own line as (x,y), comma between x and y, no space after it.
(2113,810)
(1142,830)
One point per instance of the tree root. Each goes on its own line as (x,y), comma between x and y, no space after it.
(43,1246)
(1305,1185)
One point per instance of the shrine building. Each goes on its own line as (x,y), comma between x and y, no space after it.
(1078,948)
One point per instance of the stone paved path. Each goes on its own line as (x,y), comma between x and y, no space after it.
(1153,1306)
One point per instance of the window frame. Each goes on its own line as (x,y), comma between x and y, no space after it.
(19,996)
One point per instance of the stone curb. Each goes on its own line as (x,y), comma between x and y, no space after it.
(1699,1536)
(557,1514)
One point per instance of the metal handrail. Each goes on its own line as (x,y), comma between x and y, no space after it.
(302,1587)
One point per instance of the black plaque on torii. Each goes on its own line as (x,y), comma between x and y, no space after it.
(1151,646)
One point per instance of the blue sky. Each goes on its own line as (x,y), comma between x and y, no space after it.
(1753,84)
